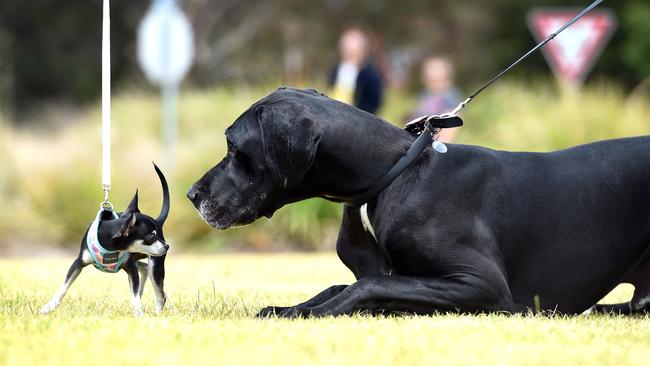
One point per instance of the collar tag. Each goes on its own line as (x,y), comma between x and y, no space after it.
(439,146)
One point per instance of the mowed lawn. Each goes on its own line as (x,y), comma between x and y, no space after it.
(209,321)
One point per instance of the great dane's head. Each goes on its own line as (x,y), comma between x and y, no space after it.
(271,146)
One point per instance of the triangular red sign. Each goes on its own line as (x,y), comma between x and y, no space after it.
(573,52)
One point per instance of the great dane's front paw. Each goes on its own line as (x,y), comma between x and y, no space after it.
(290,312)
(270,311)
(295,312)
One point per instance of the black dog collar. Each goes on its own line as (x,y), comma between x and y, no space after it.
(427,127)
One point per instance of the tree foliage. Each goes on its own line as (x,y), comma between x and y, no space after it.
(54,47)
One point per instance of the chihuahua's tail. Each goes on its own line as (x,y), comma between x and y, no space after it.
(164,211)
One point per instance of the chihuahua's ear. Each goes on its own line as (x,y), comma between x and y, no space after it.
(127,227)
(133,206)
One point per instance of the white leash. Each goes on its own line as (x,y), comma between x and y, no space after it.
(106,104)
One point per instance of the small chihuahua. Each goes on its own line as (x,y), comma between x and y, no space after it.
(115,242)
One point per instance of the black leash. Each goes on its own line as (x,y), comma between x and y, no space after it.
(428,127)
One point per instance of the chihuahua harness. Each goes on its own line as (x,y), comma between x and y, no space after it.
(105,260)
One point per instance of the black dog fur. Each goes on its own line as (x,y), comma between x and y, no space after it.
(472,230)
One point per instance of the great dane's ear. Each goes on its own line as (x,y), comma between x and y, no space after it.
(133,205)
(290,138)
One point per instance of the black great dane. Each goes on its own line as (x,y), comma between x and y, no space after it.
(472,230)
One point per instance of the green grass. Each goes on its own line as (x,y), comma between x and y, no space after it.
(209,321)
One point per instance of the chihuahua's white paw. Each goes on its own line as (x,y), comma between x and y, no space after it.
(138,312)
(49,307)
(137,307)
(160,304)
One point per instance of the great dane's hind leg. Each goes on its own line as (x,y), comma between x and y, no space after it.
(290,311)
(641,280)
(620,309)
(462,293)
(71,276)
(640,302)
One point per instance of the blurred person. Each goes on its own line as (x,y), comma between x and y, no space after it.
(355,80)
(440,95)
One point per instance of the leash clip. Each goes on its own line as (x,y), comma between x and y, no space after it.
(435,134)
(458,108)
(106,204)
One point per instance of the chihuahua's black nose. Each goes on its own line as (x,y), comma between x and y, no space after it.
(193,194)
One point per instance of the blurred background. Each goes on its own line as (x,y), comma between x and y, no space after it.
(50,84)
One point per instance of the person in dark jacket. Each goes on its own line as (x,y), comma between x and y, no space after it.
(355,80)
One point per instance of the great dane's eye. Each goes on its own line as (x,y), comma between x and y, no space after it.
(243,159)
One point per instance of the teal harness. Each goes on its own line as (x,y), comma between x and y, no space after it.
(109,261)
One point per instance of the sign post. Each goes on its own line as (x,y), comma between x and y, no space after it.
(573,53)
(165,53)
